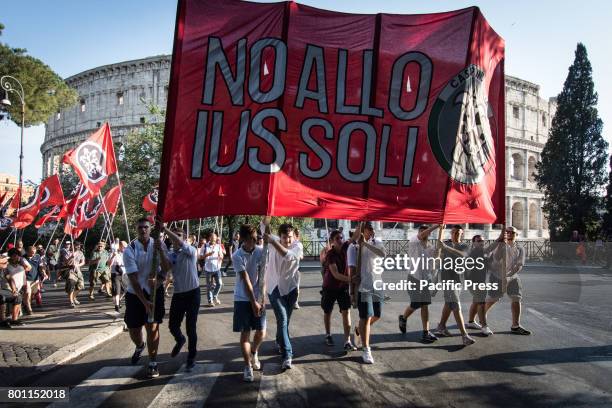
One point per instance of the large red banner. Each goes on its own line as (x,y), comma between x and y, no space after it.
(285,109)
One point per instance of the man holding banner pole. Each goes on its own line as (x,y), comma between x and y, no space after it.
(138,259)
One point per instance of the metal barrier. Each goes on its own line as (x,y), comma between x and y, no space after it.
(558,252)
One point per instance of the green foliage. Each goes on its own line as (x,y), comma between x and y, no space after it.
(572,171)
(606,228)
(45,92)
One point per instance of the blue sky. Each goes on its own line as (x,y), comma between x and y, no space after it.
(72,36)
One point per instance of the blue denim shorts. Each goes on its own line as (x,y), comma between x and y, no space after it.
(245,319)
(369,305)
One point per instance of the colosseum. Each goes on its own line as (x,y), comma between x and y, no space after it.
(120,93)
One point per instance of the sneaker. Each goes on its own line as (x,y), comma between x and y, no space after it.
(190,364)
(486,331)
(72,305)
(248,374)
(366,356)
(255,361)
(402,324)
(152,371)
(442,331)
(296,306)
(211,304)
(329,340)
(76,302)
(467,340)
(117,308)
(428,337)
(91,297)
(217,301)
(348,346)
(520,330)
(5,324)
(287,364)
(178,346)
(55,285)
(17,323)
(137,353)
(473,325)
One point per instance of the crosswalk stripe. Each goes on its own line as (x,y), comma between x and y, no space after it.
(188,389)
(291,384)
(99,386)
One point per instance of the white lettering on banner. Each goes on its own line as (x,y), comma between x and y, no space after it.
(355,136)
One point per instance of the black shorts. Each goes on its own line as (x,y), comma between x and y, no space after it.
(7,298)
(368,305)
(331,296)
(135,312)
(116,284)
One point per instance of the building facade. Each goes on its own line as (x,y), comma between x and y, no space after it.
(121,94)
(9,185)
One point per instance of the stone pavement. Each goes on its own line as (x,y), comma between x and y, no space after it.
(55,334)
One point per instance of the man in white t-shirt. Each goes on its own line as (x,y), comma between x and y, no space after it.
(15,275)
(369,300)
(282,281)
(420,298)
(212,254)
(249,307)
(138,259)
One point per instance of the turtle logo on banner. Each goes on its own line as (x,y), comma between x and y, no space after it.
(153,195)
(91,159)
(459,128)
(90,209)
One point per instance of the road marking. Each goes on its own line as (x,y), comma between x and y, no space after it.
(291,384)
(98,387)
(561,326)
(188,389)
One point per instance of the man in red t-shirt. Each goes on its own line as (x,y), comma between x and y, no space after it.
(335,289)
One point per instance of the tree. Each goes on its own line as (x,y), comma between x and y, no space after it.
(572,170)
(606,228)
(45,92)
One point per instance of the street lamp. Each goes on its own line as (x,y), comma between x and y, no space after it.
(7,83)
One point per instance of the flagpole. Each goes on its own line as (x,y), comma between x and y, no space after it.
(8,237)
(127,228)
(199,228)
(52,234)
(107,218)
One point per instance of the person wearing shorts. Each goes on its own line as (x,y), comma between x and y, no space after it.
(98,269)
(249,300)
(15,275)
(336,289)
(138,260)
(117,268)
(420,297)
(453,250)
(508,279)
(369,300)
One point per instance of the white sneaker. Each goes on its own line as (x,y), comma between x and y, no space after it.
(467,340)
(248,374)
(486,331)
(255,361)
(287,364)
(217,301)
(366,356)
(473,325)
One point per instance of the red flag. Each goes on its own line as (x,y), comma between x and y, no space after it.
(79,194)
(71,226)
(149,203)
(47,194)
(111,199)
(291,110)
(52,215)
(15,200)
(94,159)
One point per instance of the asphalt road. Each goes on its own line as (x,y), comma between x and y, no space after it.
(566,362)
